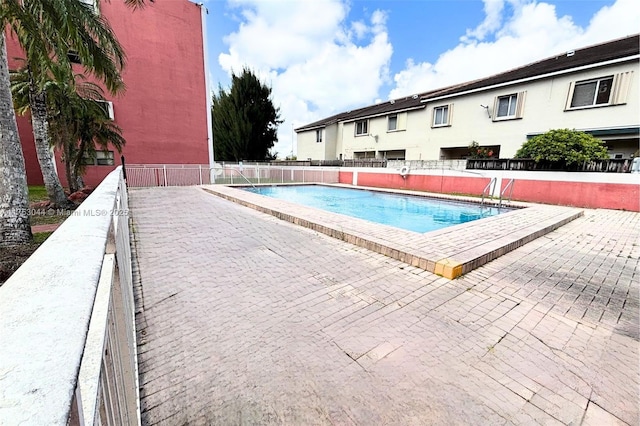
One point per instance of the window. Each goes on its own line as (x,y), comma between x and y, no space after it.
(589,93)
(509,106)
(74,57)
(397,122)
(102,158)
(392,122)
(318,135)
(92,4)
(442,115)
(107,106)
(362,127)
(602,91)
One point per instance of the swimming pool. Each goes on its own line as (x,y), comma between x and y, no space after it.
(413,213)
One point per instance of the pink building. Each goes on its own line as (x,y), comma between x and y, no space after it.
(164,112)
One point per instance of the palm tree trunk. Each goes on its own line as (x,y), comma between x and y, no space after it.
(68,167)
(15,227)
(40,124)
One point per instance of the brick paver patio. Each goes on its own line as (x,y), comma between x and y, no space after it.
(247,319)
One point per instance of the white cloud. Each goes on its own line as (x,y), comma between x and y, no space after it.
(493,19)
(510,37)
(316,62)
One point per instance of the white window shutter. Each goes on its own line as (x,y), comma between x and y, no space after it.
(520,104)
(494,113)
(572,87)
(621,87)
(401,123)
(450,117)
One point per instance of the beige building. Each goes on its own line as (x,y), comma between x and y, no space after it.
(594,89)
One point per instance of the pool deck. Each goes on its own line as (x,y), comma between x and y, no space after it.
(449,252)
(243,318)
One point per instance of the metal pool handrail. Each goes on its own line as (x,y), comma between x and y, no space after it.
(486,188)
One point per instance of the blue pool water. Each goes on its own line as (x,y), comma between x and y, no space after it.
(418,214)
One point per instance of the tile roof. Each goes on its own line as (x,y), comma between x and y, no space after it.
(615,49)
(409,102)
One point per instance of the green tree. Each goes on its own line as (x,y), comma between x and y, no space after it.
(245,122)
(77,119)
(14,201)
(563,145)
(75,27)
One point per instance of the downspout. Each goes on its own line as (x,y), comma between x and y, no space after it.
(207,83)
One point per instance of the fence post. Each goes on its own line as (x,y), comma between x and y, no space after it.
(164,173)
(124,169)
(200,173)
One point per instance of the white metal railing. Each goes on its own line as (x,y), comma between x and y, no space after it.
(489,189)
(194,174)
(428,164)
(509,187)
(68,353)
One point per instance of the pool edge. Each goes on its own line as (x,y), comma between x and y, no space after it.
(451,266)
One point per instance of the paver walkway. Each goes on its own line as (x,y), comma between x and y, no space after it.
(246,319)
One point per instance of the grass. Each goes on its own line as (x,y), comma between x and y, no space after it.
(37,193)
(45,218)
(12,257)
(40,237)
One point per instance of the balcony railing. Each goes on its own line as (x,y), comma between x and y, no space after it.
(607,166)
(67,330)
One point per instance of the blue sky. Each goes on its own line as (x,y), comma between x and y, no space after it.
(322,57)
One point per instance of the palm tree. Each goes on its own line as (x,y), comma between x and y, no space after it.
(76,116)
(55,25)
(15,226)
(94,128)
(74,27)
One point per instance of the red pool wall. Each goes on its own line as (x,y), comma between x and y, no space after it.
(588,194)
(595,195)
(345,177)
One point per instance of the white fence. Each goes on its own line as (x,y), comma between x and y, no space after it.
(428,164)
(68,352)
(189,174)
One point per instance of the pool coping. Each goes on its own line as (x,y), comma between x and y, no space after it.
(449,252)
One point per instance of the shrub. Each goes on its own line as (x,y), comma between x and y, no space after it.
(476,151)
(563,145)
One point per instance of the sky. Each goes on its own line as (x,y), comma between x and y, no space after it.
(323,57)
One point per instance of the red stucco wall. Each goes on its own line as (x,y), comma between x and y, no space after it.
(163,112)
(580,194)
(345,177)
(446,184)
(603,195)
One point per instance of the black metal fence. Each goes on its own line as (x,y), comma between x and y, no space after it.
(605,166)
(363,162)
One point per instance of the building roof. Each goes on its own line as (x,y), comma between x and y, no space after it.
(612,50)
(402,104)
